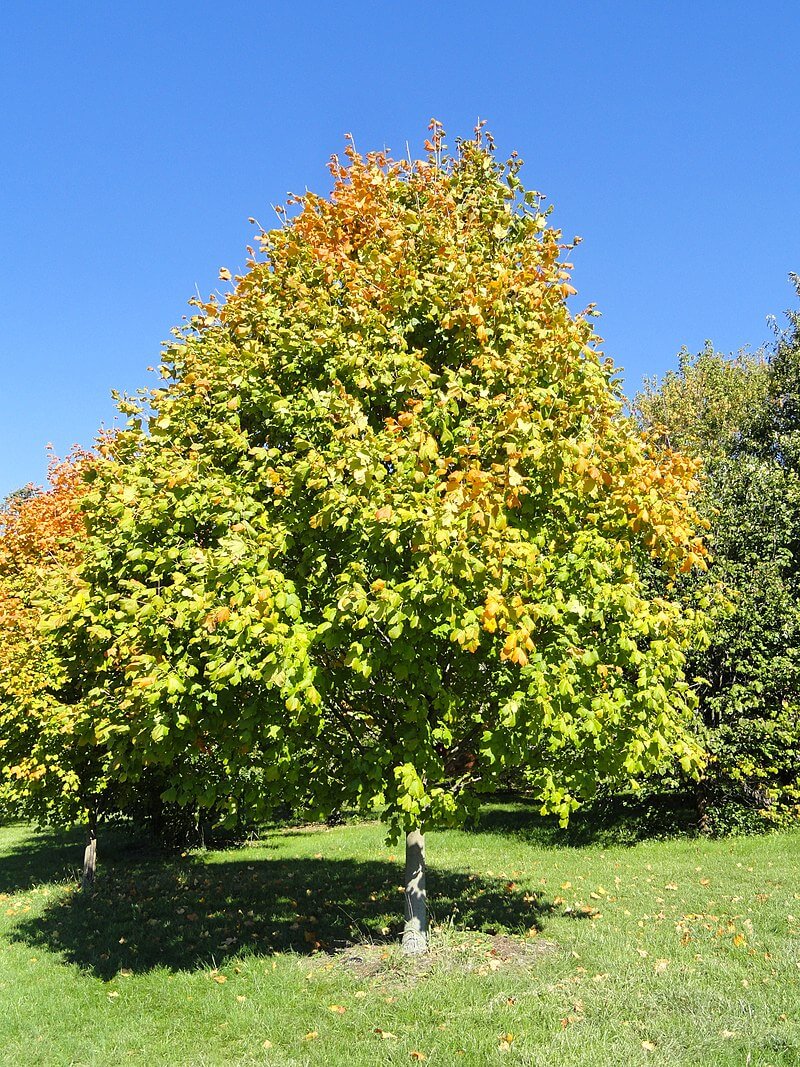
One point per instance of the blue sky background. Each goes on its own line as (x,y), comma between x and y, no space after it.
(136,139)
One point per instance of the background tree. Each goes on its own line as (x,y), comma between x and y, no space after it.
(740,415)
(379,538)
(50,769)
(54,766)
(706,406)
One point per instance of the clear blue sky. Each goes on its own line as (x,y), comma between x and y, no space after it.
(136,139)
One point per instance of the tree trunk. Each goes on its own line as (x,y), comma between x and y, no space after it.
(90,853)
(415,931)
(701,802)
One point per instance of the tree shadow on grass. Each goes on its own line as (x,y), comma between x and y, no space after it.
(182,914)
(46,856)
(613,820)
(42,856)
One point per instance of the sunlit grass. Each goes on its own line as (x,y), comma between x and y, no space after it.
(668,952)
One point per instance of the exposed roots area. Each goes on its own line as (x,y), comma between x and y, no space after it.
(449,950)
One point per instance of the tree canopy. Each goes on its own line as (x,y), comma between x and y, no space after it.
(45,772)
(380,536)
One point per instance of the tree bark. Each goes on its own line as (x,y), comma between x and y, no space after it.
(415,931)
(90,853)
(701,802)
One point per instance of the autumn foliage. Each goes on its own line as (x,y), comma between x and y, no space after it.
(45,770)
(378,539)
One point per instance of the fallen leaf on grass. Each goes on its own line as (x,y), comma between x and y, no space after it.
(267,1044)
(339,1009)
(648,1046)
(419,1056)
(312,1035)
(385,1034)
(660,966)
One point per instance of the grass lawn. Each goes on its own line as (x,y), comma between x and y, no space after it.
(658,952)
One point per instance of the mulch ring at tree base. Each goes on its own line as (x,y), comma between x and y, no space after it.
(449,950)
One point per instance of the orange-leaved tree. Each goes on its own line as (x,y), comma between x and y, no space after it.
(51,770)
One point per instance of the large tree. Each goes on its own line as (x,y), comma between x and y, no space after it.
(379,537)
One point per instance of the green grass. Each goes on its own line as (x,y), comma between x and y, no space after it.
(668,952)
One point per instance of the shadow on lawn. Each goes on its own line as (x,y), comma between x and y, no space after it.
(50,855)
(47,856)
(181,913)
(607,821)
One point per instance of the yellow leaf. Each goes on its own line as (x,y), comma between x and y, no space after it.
(312,1035)
(224,274)
(339,1009)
